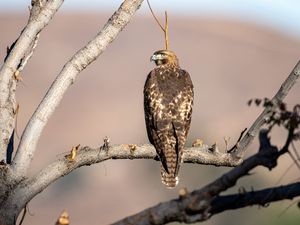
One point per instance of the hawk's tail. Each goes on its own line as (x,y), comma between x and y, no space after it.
(170,167)
(169,179)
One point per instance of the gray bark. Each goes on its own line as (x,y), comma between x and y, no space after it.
(39,18)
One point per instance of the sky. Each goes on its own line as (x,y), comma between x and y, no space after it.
(282,15)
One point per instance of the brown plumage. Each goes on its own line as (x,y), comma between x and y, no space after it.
(168,100)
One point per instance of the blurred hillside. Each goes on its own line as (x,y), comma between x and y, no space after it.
(229,62)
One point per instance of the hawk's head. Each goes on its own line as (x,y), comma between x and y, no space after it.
(163,57)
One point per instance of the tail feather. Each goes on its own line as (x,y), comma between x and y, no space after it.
(169,179)
(170,167)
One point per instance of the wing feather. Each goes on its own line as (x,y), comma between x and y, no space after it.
(168,100)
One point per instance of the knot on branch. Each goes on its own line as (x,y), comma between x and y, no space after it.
(199,205)
(36,7)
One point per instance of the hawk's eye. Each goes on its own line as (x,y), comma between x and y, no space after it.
(160,56)
(161,61)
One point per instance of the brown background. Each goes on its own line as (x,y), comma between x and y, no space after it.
(229,62)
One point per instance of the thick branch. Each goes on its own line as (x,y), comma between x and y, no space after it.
(262,197)
(87,156)
(240,149)
(67,76)
(7,81)
(170,211)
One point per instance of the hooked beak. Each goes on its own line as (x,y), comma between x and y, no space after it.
(152,58)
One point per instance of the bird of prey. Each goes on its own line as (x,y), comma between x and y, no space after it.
(168,100)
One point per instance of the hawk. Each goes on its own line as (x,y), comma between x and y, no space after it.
(168,101)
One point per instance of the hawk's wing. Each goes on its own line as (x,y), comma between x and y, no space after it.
(157,121)
(181,118)
(168,102)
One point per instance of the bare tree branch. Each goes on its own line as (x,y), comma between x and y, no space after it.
(18,50)
(88,156)
(198,205)
(262,197)
(240,149)
(156,215)
(67,76)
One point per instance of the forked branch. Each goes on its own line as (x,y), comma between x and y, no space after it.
(164,29)
(67,76)
(9,70)
(240,148)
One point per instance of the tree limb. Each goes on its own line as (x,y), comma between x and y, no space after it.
(67,76)
(37,21)
(262,197)
(170,211)
(241,147)
(88,156)
(198,205)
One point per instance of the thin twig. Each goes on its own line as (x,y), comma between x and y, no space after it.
(166,29)
(24,214)
(284,173)
(227,141)
(287,208)
(238,141)
(16,112)
(156,19)
(295,151)
(294,159)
